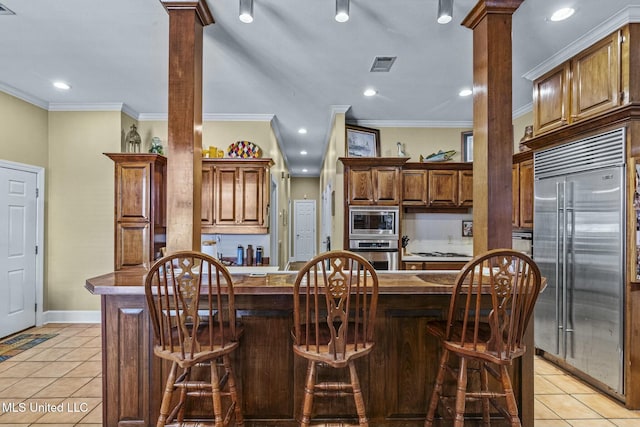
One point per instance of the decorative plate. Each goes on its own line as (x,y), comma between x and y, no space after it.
(243,150)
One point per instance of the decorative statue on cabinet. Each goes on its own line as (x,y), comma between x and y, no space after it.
(401,152)
(133,140)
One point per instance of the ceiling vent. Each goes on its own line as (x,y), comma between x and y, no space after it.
(382,64)
(4,10)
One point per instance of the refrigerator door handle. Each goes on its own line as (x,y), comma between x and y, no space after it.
(559,216)
(566,236)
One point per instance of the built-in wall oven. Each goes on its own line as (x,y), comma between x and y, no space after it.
(373,233)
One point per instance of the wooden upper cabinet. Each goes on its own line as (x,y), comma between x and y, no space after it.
(443,188)
(465,188)
(373,180)
(361,186)
(596,79)
(522,182)
(551,99)
(140,208)
(592,82)
(414,188)
(238,196)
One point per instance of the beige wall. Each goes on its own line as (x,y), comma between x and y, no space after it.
(519,124)
(23,132)
(421,141)
(80,217)
(332,174)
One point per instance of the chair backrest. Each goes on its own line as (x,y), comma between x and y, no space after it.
(498,288)
(335,301)
(190,301)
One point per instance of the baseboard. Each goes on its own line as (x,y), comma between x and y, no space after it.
(71,316)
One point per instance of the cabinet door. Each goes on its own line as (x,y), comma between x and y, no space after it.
(413,265)
(385,186)
(596,77)
(414,188)
(208,175)
(551,99)
(250,196)
(526,194)
(361,186)
(465,188)
(133,244)
(225,195)
(443,188)
(133,186)
(515,194)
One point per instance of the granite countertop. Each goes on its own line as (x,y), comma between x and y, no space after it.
(415,257)
(131,282)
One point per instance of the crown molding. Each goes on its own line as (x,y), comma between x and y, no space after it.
(527,108)
(152,117)
(213,117)
(68,106)
(10,90)
(630,14)
(414,123)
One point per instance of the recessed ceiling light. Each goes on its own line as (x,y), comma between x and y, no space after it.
(304,170)
(303,152)
(302,131)
(465,92)
(61,85)
(562,14)
(370,92)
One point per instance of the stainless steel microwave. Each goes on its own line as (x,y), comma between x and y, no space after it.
(373,222)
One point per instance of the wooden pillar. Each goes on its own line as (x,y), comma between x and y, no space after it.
(490,21)
(184,155)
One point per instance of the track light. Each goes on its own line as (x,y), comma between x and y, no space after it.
(445,11)
(342,10)
(246,11)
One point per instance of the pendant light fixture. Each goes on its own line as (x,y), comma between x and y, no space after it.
(246,11)
(342,10)
(445,11)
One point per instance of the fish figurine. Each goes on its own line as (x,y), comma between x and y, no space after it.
(440,156)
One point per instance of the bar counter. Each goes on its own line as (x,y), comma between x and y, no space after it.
(396,378)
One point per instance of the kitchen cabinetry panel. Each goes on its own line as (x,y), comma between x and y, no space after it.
(140,207)
(433,265)
(465,188)
(361,186)
(414,188)
(386,183)
(595,79)
(443,188)
(551,99)
(237,198)
(373,180)
(522,190)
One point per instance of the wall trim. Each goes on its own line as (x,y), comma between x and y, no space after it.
(24,96)
(72,316)
(413,123)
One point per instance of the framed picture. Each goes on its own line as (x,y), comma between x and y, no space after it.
(467,146)
(362,142)
(467,228)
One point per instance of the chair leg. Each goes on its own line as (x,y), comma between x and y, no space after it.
(437,388)
(486,406)
(215,395)
(165,406)
(512,405)
(183,396)
(233,390)
(461,393)
(308,394)
(357,396)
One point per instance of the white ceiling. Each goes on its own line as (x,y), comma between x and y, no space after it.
(294,62)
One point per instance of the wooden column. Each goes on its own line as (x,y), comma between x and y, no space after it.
(184,155)
(490,21)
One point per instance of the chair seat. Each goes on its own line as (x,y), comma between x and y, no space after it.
(321,352)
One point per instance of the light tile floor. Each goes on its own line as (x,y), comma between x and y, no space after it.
(59,384)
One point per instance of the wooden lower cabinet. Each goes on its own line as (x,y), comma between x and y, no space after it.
(396,378)
(433,265)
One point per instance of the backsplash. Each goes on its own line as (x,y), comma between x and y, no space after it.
(437,232)
(227,244)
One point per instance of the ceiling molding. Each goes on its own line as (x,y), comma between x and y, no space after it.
(527,108)
(628,15)
(130,112)
(68,106)
(10,90)
(413,124)
(213,117)
(275,127)
(153,117)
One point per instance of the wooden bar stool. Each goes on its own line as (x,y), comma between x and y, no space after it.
(492,302)
(335,300)
(190,301)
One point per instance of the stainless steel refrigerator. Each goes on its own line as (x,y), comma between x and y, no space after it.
(578,243)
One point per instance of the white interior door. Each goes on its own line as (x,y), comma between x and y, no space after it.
(305,229)
(18,270)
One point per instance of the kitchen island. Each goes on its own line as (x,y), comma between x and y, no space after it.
(396,378)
